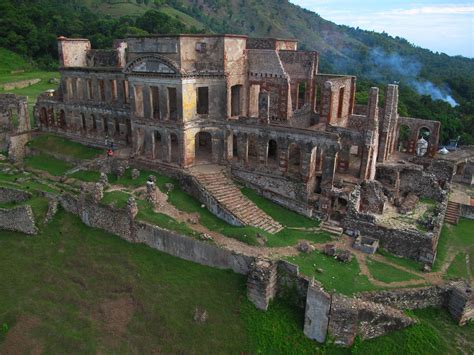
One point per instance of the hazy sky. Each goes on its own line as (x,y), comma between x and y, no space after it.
(442,26)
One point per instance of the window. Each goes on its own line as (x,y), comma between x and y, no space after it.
(155,102)
(203,101)
(102,90)
(105,124)
(340,103)
(113,90)
(301,94)
(139,100)
(201,47)
(235,100)
(125,91)
(172,104)
(89,89)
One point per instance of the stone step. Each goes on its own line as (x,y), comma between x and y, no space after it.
(331,229)
(229,195)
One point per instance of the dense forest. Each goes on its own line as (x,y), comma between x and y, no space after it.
(432,85)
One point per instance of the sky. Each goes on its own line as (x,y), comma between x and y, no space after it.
(442,26)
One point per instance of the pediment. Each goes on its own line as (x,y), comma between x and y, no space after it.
(152,65)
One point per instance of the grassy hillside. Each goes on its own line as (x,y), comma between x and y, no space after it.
(11,62)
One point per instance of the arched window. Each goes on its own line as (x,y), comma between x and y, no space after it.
(272,157)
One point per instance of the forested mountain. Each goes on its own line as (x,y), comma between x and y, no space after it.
(433,85)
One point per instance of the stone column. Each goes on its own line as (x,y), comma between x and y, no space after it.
(283,158)
(261,283)
(264,106)
(243,148)
(262,147)
(166,145)
(147,112)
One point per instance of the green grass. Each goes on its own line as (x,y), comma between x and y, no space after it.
(116,199)
(10,61)
(458,268)
(458,237)
(126,179)
(387,273)
(404,262)
(146,214)
(49,143)
(52,165)
(436,333)
(86,175)
(182,17)
(342,277)
(281,214)
(66,276)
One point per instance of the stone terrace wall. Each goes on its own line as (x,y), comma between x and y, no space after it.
(467,211)
(119,222)
(191,249)
(8,195)
(18,219)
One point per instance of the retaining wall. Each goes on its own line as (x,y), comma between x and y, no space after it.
(18,219)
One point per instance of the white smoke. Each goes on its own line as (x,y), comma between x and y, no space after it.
(407,70)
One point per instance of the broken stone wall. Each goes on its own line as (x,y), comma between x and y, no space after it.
(18,219)
(8,195)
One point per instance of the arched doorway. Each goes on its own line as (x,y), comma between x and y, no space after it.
(272,156)
(44,117)
(174,145)
(156,153)
(203,147)
(404,136)
(294,159)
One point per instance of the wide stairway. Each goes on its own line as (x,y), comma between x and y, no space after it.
(452,213)
(229,196)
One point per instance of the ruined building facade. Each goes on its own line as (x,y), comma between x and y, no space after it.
(258,106)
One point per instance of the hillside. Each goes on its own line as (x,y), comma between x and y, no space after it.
(433,85)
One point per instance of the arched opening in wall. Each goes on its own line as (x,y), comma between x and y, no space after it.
(62,119)
(203,147)
(174,146)
(94,122)
(156,153)
(294,159)
(83,122)
(102,90)
(355,159)
(235,95)
(117,126)
(252,150)
(424,133)
(272,157)
(44,117)
(404,139)
(317,186)
(128,136)
(340,103)
(235,152)
(339,207)
(301,94)
(105,125)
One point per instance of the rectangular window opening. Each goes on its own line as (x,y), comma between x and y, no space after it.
(203,100)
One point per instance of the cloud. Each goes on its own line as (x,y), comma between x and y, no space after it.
(432,10)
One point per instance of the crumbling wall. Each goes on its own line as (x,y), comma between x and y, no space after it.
(8,195)
(373,199)
(14,125)
(18,219)
(290,284)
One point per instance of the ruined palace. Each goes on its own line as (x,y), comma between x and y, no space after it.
(259,108)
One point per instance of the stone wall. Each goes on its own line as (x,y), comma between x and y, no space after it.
(17,148)
(20,84)
(18,219)
(467,211)
(8,195)
(290,284)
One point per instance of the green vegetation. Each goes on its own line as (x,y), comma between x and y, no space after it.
(86,175)
(404,262)
(457,238)
(458,268)
(336,275)
(49,143)
(10,61)
(387,273)
(47,163)
(116,199)
(436,333)
(283,215)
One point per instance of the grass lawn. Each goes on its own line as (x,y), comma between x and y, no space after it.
(86,175)
(52,165)
(97,293)
(405,262)
(281,214)
(387,273)
(49,143)
(116,199)
(458,237)
(458,268)
(342,277)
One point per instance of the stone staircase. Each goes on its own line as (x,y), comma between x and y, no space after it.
(229,196)
(452,213)
(331,228)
